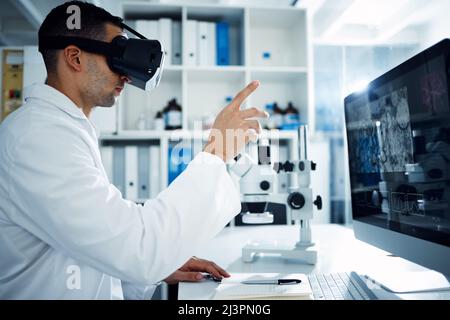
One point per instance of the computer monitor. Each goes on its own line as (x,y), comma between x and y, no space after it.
(398,136)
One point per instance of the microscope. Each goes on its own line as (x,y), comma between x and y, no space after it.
(258,182)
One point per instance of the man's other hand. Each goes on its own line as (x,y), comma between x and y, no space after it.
(192,270)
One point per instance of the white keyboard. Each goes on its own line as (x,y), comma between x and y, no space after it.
(339,286)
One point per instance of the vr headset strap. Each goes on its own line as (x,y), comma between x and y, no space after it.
(89,45)
(131,30)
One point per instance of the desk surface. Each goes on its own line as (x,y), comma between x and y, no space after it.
(338,251)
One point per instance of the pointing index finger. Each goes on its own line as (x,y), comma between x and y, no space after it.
(241,96)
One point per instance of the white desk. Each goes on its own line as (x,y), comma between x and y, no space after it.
(338,251)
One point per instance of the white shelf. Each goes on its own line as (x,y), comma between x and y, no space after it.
(204,90)
(281,70)
(135,102)
(133,135)
(142,10)
(173,67)
(217,69)
(213,92)
(282,88)
(269,69)
(187,135)
(279,33)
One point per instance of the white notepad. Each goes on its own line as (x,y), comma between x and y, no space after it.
(233,288)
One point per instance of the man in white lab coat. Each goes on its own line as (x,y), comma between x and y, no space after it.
(65,230)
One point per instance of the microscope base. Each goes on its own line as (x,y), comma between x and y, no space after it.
(306,255)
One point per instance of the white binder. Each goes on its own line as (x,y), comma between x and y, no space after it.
(141,27)
(212,50)
(155,179)
(131,172)
(176,42)
(165,37)
(119,168)
(203,43)
(191,43)
(153,29)
(143,172)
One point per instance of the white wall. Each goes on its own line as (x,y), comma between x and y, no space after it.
(437,28)
(34,70)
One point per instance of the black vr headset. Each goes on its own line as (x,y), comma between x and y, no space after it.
(140,60)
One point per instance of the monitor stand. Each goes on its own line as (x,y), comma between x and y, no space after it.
(409,282)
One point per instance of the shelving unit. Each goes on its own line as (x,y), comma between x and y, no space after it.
(269,44)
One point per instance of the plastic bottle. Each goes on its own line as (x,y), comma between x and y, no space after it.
(277,116)
(159,121)
(172,115)
(142,122)
(291,117)
(268,123)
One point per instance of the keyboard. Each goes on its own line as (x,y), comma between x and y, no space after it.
(340,286)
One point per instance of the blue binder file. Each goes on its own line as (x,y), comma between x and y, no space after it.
(178,161)
(223,44)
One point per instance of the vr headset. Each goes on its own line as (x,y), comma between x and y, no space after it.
(140,60)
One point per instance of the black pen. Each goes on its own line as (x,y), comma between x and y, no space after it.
(275,281)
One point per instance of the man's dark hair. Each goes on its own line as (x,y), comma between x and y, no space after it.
(93,26)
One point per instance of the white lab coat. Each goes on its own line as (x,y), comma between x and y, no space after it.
(65,230)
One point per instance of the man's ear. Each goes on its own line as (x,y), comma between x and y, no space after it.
(72,57)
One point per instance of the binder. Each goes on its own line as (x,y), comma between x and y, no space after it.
(185,158)
(173,164)
(141,27)
(107,160)
(179,159)
(155,181)
(165,37)
(223,45)
(143,172)
(153,29)
(176,42)
(131,182)
(202,43)
(191,42)
(212,50)
(119,168)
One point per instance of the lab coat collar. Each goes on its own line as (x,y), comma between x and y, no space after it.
(54,97)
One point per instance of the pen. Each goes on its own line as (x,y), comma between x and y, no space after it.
(276,281)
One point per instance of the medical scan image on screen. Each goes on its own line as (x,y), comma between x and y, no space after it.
(398,134)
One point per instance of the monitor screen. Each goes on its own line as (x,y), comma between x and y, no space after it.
(398,135)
